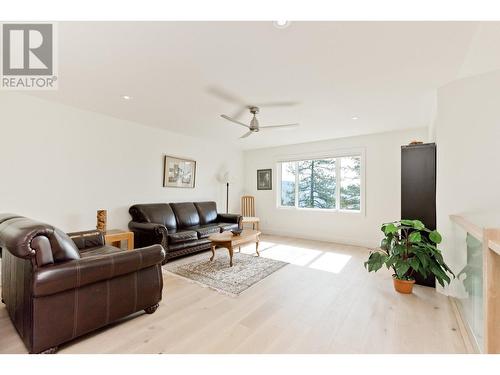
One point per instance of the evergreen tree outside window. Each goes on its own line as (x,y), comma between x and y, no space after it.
(350,183)
(316,183)
(288,184)
(327,183)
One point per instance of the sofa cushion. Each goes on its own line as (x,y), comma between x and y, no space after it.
(63,247)
(186,214)
(182,236)
(206,230)
(100,250)
(43,251)
(207,212)
(159,213)
(228,226)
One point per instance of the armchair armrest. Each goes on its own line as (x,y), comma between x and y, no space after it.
(74,274)
(17,237)
(87,239)
(229,218)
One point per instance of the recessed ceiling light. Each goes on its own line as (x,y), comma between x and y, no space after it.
(126,97)
(354,118)
(281,24)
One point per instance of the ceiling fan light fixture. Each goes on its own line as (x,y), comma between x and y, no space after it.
(254,123)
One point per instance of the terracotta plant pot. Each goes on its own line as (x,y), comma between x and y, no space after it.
(403,286)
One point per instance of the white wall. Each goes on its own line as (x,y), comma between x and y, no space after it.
(59,164)
(383,189)
(468,149)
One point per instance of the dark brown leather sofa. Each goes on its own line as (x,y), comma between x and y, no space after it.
(59,286)
(181,228)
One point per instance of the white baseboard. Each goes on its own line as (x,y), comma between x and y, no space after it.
(363,242)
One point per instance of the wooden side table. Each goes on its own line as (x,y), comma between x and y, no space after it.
(114,237)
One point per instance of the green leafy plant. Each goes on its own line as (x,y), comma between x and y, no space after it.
(408,248)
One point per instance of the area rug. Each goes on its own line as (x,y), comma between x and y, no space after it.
(246,271)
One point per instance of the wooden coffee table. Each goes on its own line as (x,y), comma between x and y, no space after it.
(230,241)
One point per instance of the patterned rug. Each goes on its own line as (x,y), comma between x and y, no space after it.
(246,271)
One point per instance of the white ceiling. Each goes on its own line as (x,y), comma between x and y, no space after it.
(385,73)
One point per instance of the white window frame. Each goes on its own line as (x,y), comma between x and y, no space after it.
(357,152)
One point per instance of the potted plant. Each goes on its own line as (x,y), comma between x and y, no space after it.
(409,247)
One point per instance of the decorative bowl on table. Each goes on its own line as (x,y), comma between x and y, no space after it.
(236,232)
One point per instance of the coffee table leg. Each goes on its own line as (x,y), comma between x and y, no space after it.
(230,248)
(213,252)
(257,247)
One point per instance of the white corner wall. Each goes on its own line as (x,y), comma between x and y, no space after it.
(382,189)
(468,149)
(59,164)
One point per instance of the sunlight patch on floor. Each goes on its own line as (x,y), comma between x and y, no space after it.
(331,262)
(301,256)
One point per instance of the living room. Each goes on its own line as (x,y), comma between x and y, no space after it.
(249,187)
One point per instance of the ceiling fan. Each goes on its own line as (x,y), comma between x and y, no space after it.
(254,126)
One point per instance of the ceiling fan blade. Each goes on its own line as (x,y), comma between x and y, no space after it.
(279,126)
(278,104)
(226,95)
(240,112)
(235,121)
(246,134)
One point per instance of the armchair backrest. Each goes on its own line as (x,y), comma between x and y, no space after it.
(158,213)
(29,239)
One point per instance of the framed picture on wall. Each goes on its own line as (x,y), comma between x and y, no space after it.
(264,179)
(179,173)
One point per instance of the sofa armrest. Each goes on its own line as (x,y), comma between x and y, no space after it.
(146,234)
(87,239)
(74,274)
(158,229)
(229,218)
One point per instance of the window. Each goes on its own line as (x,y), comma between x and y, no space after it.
(350,183)
(328,183)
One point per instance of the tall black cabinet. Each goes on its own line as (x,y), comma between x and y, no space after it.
(418,188)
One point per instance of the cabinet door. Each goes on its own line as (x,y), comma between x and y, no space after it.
(418,189)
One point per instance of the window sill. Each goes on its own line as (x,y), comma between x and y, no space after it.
(326,210)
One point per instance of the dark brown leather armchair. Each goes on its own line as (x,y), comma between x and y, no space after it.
(59,286)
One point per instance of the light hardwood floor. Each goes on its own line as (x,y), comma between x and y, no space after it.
(323,302)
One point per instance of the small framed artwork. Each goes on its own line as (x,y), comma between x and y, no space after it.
(180,173)
(264,179)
